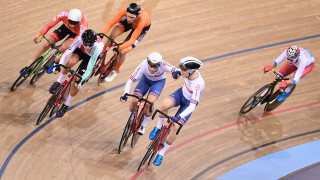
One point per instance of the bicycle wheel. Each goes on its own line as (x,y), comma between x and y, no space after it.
(126,132)
(26,73)
(256,99)
(44,112)
(274,103)
(56,96)
(136,136)
(42,69)
(151,150)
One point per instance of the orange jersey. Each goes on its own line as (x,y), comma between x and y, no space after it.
(143,21)
(63,16)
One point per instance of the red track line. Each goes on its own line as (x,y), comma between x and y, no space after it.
(225,127)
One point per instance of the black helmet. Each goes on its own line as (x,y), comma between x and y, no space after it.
(134,8)
(89,36)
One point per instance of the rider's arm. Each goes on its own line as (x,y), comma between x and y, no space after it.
(117,18)
(197,91)
(138,71)
(52,23)
(76,43)
(282,57)
(134,35)
(92,62)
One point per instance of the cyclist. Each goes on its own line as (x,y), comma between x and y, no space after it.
(131,18)
(73,23)
(299,63)
(86,47)
(187,97)
(153,80)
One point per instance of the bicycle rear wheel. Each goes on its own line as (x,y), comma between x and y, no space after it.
(256,99)
(126,132)
(151,150)
(136,136)
(26,73)
(42,69)
(274,103)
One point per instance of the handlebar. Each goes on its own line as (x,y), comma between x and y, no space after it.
(140,99)
(72,72)
(53,45)
(168,117)
(279,76)
(112,41)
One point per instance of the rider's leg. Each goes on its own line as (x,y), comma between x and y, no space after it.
(74,59)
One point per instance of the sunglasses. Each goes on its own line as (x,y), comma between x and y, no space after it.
(74,23)
(88,44)
(153,65)
(131,16)
(292,60)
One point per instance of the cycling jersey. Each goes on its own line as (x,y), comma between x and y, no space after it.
(63,16)
(143,69)
(305,59)
(143,21)
(93,53)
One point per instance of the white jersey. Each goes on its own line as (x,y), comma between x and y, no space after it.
(93,53)
(143,69)
(192,91)
(305,59)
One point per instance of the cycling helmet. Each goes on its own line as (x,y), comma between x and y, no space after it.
(190,64)
(134,8)
(293,52)
(89,36)
(75,15)
(154,58)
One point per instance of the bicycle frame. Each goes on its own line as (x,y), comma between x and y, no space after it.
(136,121)
(66,83)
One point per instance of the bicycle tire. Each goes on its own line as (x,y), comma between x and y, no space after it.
(150,150)
(251,101)
(42,69)
(44,112)
(273,104)
(136,136)
(26,73)
(126,133)
(56,96)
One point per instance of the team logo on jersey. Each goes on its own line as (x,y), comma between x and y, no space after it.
(197,87)
(134,74)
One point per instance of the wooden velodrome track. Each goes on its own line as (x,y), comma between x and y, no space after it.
(83,144)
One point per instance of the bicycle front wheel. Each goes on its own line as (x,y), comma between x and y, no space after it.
(56,100)
(136,136)
(44,112)
(126,132)
(42,68)
(256,99)
(151,150)
(26,73)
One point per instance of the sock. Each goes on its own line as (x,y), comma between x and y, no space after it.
(69,99)
(61,77)
(164,149)
(287,90)
(117,66)
(160,122)
(145,120)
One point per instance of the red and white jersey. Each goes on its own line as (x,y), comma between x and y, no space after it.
(63,16)
(192,91)
(305,59)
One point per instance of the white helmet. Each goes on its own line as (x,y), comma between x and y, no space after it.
(75,15)
(190,63)
(154,58)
